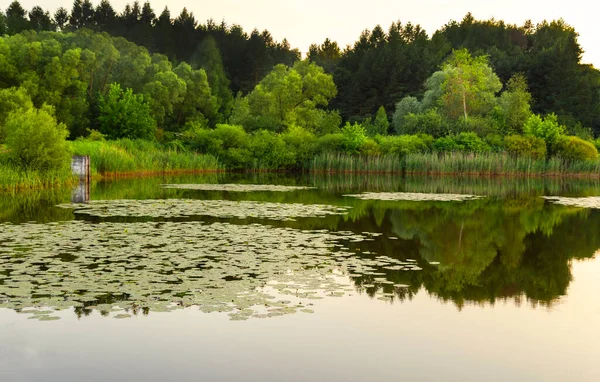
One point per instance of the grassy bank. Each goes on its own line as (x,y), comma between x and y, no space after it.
(15,179)
(137,157)
(483,164)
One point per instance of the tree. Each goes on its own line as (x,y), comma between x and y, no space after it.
(515,103)
(11,100)
(546,128)
(105,16)
(470,85)
(285,93)
(76,17)
(16,22)
(35,141)
(198,102)
(208,57)
(40,20)
(125,115)
(404,107)
(381,123)
(61,17)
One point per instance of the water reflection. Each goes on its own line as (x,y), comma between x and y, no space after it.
(511,244)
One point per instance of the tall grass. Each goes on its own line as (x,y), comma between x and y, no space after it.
(482,164)
(334,162)
(127,156)
(14,179)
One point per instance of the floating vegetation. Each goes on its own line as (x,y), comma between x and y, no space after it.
(237,187)
(589,202)
(410,196)
(176,208)
(126,268)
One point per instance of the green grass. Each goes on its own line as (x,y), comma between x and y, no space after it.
(485,164)
(15,179)
(332,162)
(140,157)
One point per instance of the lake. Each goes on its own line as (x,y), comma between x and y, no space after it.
(268,277)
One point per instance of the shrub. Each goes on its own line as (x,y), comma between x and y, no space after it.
(369,147)
(546,128)
(525,146)
(269,151)
(36,141)
(575,148)
(446,144)
(469,142)
(472,143)
(429,122)
(354,137)
(404,144)
(330,143)
(301,142)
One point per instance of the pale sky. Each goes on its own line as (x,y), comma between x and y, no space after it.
(311,21)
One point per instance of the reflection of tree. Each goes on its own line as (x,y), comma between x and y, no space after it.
(487,249)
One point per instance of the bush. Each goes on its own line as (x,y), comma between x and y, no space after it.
(330,143)
(404,144)
(468,142)
(354,137)
(546,128)
(35,141)
(301,142)
(446,144)
(528,146)
(429,122)
(575,148)
(369,147)
(269,151)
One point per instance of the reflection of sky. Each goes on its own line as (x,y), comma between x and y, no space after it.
(311,21)
(351,338)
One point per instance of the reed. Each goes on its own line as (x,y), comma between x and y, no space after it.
(125,156)
(469,164)
(15,179)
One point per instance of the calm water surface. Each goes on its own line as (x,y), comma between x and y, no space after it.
(270,284)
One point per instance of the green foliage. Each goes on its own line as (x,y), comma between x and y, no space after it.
(287,94)
(269,151)
(301,142)
(430,122)
(469,142)
(35,141)
(470,86)
(406,106)
(12,99)
(381,124)
(525,146)
(515,103)
(546,128)
(353,137)
(125,156)
(333,143)
(125,115)
(402,145)
(576,149)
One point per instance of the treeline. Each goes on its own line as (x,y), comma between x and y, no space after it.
(246,57)
(378,70)
(474,87)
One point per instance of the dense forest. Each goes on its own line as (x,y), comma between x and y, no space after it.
(477,86)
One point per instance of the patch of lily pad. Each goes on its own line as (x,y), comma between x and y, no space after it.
(177,208)
(124,268)
(412,196)
(237,187)
(592,202)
